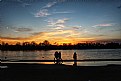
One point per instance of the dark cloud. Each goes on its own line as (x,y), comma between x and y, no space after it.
(38,33)
(0,19)
(12,38)
(110,40)
(75,27)
(101,35)
(119,6)
(23,29)
(116,30)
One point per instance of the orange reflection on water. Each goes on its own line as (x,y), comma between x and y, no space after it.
(46,62)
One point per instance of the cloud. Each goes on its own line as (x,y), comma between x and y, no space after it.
(18,29)
(116,30)
(58,24)
(119,6)
(76,27)
(38,33)
(102,25)
(62,36)
(12,38)
(110,40)
(101,35)
(50,35)
(57,28)
(23,29)
(42,13)
(63,12)
(50,4)
(61,21)
(23,3)
(53,34)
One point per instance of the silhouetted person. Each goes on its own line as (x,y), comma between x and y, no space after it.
(5,57)
(56,58)
(56,54)
(60,59)
(75,59)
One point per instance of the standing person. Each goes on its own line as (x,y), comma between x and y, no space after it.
(59,55)
(60,59)
(75,59)
(56,57)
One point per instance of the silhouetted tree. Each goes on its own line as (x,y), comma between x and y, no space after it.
(33,43)
(3,43)
(40,44)
(46,43)
(18,43)
(26,43)
(47,46)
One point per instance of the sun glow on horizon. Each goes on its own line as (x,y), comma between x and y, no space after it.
(36,20)
(51,41)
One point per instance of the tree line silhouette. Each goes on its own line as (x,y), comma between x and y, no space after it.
(47,46)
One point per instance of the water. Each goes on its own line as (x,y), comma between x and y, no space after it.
(66,55)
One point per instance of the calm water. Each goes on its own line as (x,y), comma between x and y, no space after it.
(66,55)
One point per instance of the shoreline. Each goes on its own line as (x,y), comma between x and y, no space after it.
(55,49)
(59,72)
(83,60)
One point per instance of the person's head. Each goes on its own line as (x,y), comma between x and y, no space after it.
(56,52)
(74,52)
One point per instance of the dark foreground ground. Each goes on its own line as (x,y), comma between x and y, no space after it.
(53,72)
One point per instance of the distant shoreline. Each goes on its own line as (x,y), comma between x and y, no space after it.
(43,46)
(14,48)
(52,49)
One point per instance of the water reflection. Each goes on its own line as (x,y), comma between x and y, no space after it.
(66,55)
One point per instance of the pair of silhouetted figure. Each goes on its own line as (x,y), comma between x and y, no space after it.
(58,59)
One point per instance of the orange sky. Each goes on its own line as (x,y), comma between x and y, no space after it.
(60,37)
(66,36)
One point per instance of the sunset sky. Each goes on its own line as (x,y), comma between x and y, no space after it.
(61,21)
